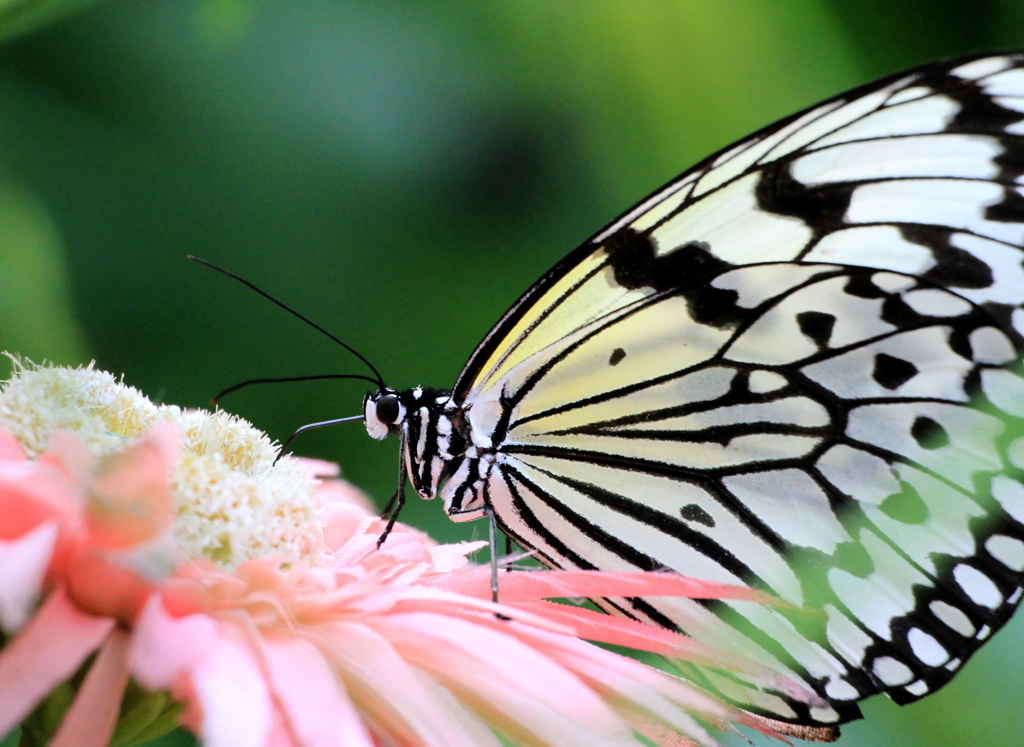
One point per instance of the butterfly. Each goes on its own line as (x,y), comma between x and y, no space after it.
(796,367)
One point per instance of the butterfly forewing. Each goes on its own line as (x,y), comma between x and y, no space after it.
(795,368)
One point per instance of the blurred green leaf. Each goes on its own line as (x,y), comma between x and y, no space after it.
(21,16)
(36,316)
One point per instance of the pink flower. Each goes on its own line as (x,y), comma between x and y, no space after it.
(340,644)
(76,541)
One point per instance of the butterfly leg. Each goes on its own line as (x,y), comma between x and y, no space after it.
(492,528)
(394,506)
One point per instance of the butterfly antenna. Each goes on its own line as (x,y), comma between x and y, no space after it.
(285,379)
(311,426)
(378,380)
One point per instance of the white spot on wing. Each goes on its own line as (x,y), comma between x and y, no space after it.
(1007,83)
(989,345)
(1007,550)
(979,587)
(935,302)
(890,282)
(980,68)
(1010,494)
(841,690)
(918,688)
(823,714)
(926,648)
(953,617)
(891,671)
(1013,103)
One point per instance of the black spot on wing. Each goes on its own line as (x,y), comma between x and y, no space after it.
(979,112)
(816,325)
(821,207)
(688,270)
(928,433)
(693,512)
(860,285)
(954,267)
(1009,210)
(616,357)
(636,264)
(892,372)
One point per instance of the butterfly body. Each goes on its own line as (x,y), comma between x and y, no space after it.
(796,368)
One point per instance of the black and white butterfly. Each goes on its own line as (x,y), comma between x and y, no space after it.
(795,367)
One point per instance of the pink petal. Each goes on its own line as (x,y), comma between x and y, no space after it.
(342,523)
(30,495)
(452,556)
(402,704)
(232,696)
(92,717)
(530,585)
(24,562)
(70,456)
(315,703)
(621,631)
(319,467)
(48,651)
(10,449)
(130,498)
(596,626)
(527,693)
(164,647)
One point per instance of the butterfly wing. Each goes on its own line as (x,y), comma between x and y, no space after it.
(794,368)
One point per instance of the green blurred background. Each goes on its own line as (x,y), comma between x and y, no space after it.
(400,171)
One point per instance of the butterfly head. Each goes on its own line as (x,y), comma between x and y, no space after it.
(384,413)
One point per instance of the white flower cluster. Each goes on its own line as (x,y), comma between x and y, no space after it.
(232,503)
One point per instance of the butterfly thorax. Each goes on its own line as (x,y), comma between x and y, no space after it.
(431,427)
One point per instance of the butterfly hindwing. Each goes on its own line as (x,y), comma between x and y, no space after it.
(796,368)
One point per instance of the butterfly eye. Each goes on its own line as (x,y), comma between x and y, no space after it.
(388,409)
